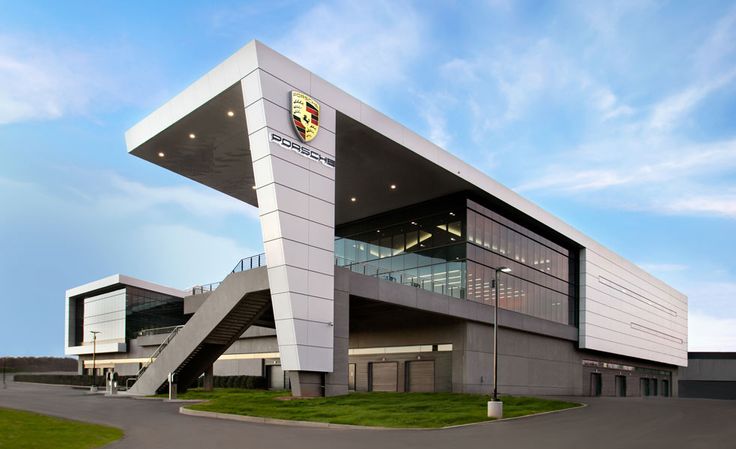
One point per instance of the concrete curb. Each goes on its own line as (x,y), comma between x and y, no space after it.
(323,425)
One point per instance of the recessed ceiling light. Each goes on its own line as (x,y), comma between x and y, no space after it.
(253,187)
(161,154)
(192,136)
(353,199)
(393,186)
(230,113)
(414,223)
(452,214)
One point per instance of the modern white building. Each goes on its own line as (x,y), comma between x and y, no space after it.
(381,252)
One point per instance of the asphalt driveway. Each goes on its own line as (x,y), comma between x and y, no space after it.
(606,423)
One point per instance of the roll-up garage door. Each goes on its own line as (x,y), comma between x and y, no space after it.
(421,376)
(384,376)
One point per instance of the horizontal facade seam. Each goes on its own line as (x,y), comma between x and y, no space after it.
(628,326)
(272,154)
(671,345)
(683,326)
(631,345)
(302,293)
(657,287)
(293,190)
(295,241)
(302,345)
(296,216)
(332,275)
(615,286)
(326,323)
(680,329)
(636,305)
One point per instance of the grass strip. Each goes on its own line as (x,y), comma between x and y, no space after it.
(420,410)
(20,429)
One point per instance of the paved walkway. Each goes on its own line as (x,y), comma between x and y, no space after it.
(606,423)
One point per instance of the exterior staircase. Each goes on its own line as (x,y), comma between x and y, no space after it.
(235,305)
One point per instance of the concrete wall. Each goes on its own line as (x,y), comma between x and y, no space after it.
(709,375)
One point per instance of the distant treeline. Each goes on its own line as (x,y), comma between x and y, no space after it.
(37,364)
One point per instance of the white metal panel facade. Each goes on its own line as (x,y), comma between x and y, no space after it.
(296,196)
(105,314)
(627,312)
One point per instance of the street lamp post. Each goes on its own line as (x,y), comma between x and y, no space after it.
(495,407)
(93,388)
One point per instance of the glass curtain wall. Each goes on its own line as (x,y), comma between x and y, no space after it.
(539,283)
(455,252)
(422,250)
(149,310)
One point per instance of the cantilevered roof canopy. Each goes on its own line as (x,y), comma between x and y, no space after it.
(372,151)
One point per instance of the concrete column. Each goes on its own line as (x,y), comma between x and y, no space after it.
(209,378)
(336,382)
(476,358)
(306,384)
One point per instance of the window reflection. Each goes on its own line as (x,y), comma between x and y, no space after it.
(455,254)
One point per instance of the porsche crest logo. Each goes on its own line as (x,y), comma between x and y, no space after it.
(305,115)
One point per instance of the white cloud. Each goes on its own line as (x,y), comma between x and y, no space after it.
(667,113)
(504,84)
(45,80)
(711,333)
(127,196)
(359,46)
(182,256)
(627,161)
(715,204)
(120,228)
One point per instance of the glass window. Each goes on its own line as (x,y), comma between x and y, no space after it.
(495,236)
(385,250)
(439,278)
(425,277)
(349,250)
(412,240)
(479,229)
(373,250)
(455,279)
(398,244)
(361,251)
(471,225)
(455,228)
(340,252)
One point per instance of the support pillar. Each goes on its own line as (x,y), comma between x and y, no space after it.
(307,384)
(209,378)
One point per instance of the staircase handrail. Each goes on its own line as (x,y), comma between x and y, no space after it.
(158,350)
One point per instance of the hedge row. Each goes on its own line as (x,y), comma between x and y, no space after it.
(66,379)
(246,382)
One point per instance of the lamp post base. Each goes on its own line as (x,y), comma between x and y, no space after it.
(495,409)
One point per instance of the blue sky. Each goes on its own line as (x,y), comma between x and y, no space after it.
(619,117)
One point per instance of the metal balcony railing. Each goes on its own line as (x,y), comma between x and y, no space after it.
(245,264)
(157,331)
(445,278)
(199,289)
(248,263)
